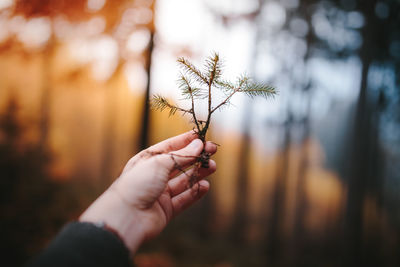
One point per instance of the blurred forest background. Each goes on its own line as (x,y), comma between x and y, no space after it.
(310,178)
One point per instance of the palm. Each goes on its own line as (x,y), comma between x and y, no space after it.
(153,191)
(159,214)
(140,203)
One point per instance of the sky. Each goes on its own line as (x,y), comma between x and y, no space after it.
(193,25)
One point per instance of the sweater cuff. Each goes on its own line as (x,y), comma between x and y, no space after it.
(84,244)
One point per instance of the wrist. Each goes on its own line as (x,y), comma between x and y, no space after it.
(109,212)
(104,226)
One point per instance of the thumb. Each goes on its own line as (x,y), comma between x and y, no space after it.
(181,158)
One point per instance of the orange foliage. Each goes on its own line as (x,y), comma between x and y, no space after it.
(76,10)
(73,9)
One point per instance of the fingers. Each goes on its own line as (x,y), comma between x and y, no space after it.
(180,158)
(188,155)
(174,143)
(181,182)
(189,197)
(176,153)
(170,144)
(165,164)
(210,148)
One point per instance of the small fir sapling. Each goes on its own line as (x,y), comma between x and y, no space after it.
(195,85)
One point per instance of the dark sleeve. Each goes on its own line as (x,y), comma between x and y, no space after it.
(84,244)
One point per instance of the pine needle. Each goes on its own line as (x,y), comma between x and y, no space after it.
(213,68)
(159,102)
(255,89)
(192,77)
(194,72)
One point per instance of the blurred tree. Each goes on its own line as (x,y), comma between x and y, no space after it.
(296,120)
(48,8)
(145,126)
(239,226)
(379,33)
(275,230)
(122,18)
(297,246)
(33,207)
(377,24)
(240,217)
(109,131)
(364,175)
(45,105)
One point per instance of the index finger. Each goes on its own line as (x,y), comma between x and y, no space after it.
(171,144)
(174,143)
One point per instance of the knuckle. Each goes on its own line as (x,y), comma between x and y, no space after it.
(162,161)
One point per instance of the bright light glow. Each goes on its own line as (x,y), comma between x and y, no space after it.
(35,32)
(138,41)
(15,24)
(4,30)
(6,3)
(131,18)
(233,7)
(136,76)
(101,52)
(62,28)
(290,3)
(105,53)
(66,30)
(266,64)
(94,26)
(95,5)
(274,14)
(340,78)
(187,28)
(182,24)
(139,15)
(322,25)
(197,28)
(355,20)
(299,27)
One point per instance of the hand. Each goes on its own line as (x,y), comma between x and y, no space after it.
(152,189)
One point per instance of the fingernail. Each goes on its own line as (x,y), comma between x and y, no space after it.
(195,143)
(204,183)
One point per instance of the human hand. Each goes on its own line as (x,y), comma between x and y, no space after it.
(152,189)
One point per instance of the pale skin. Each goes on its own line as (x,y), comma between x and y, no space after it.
(152,190)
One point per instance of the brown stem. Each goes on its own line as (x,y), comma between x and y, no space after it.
(180,109)
(193,112)
(225,101)
(209,106)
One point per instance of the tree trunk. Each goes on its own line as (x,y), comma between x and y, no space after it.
(145,125)
(361,151)
(358,172)
(301,201)
(45,101)
(239,224)
(144,132)
(275,229)
(106,175)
